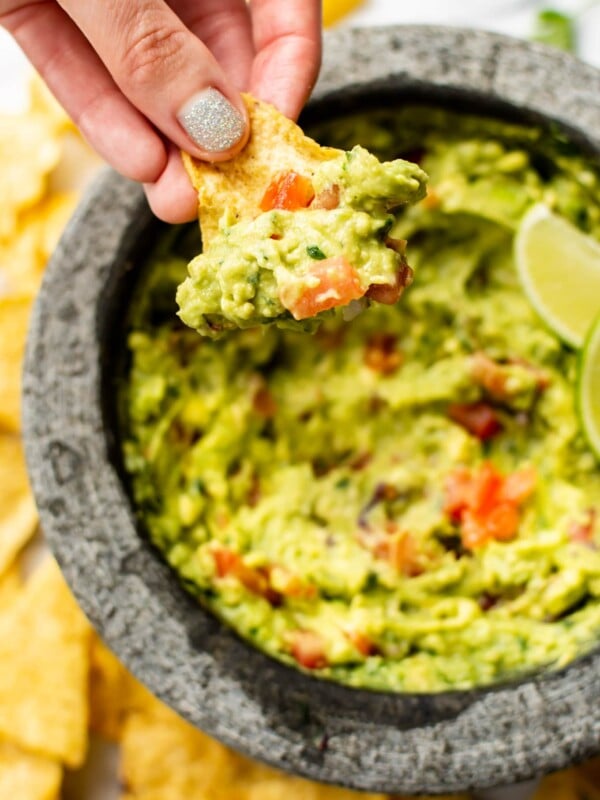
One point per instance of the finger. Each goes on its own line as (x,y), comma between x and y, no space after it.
(80,82)
(171,197)
(166,72)
(287,39)
(225,28)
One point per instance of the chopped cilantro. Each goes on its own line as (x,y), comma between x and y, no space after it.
(315,252)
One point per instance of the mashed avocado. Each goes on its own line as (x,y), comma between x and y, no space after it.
(291,266)
(405,501)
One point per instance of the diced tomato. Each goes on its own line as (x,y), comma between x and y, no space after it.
(328,198)
(583,532)
(459,493)
(487,484)
(472,530)
(397,245)
(308,649)
(502,522)
(289,191)
(486,503)
(289,584)
(336,283)
(362,642)
(264,403)
(229,563)
(404,555)
(390,293)
(519,485)
(480,419)
(226,561)
(490,375)
(381,353)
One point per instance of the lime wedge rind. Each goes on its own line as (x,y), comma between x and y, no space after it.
(559,270)
(588,387)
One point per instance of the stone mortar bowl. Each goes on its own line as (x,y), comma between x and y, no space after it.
(411,743)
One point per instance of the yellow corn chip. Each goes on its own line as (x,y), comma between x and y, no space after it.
(18,515)
(44,652)
(14,319)
(569,784)
(110,695)
(590,771)
(49,219)
(276,144)
(30,149)
(10,586)
(21,264)
(335,10)
(24,256)
(24,776)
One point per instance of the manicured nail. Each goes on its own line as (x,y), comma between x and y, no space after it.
(211,121)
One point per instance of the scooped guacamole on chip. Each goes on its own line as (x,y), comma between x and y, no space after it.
(404,501)
(316,237)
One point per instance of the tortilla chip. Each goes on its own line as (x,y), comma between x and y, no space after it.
(110,695)
(30,149)
(21,264)
(45,639)
(569,784)
(24,776)
(11,584)
(14,320)
(590,771)
(18,515)
(49,219)
(23,258)
(276,144)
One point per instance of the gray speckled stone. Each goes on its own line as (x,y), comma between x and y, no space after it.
(382,742)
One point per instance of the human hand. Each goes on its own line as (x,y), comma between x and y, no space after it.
(143,79)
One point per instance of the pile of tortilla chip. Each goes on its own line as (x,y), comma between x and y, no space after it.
(59,685)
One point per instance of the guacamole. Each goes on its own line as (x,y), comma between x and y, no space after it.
(404,501)
(317,243)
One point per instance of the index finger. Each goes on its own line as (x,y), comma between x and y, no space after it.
(287,39)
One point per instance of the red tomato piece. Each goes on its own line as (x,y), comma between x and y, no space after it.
(390,293)
(583,532)
(308,649)
(291,585)
(226,561)
(459,493)
(405,556)
(480,419)
(502,522)
(362,642)
(289,191)
(229,563)
(337,283)
(486,503)
(472,530)
(487,485)
(519,485)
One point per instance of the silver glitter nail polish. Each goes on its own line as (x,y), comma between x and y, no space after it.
(211,121)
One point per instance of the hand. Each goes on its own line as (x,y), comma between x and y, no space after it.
(143,79)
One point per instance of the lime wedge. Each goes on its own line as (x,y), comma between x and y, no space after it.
(559,269)
(588,387)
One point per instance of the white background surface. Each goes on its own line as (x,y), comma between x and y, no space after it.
(513,17)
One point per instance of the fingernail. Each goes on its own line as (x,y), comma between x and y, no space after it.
(211,121)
